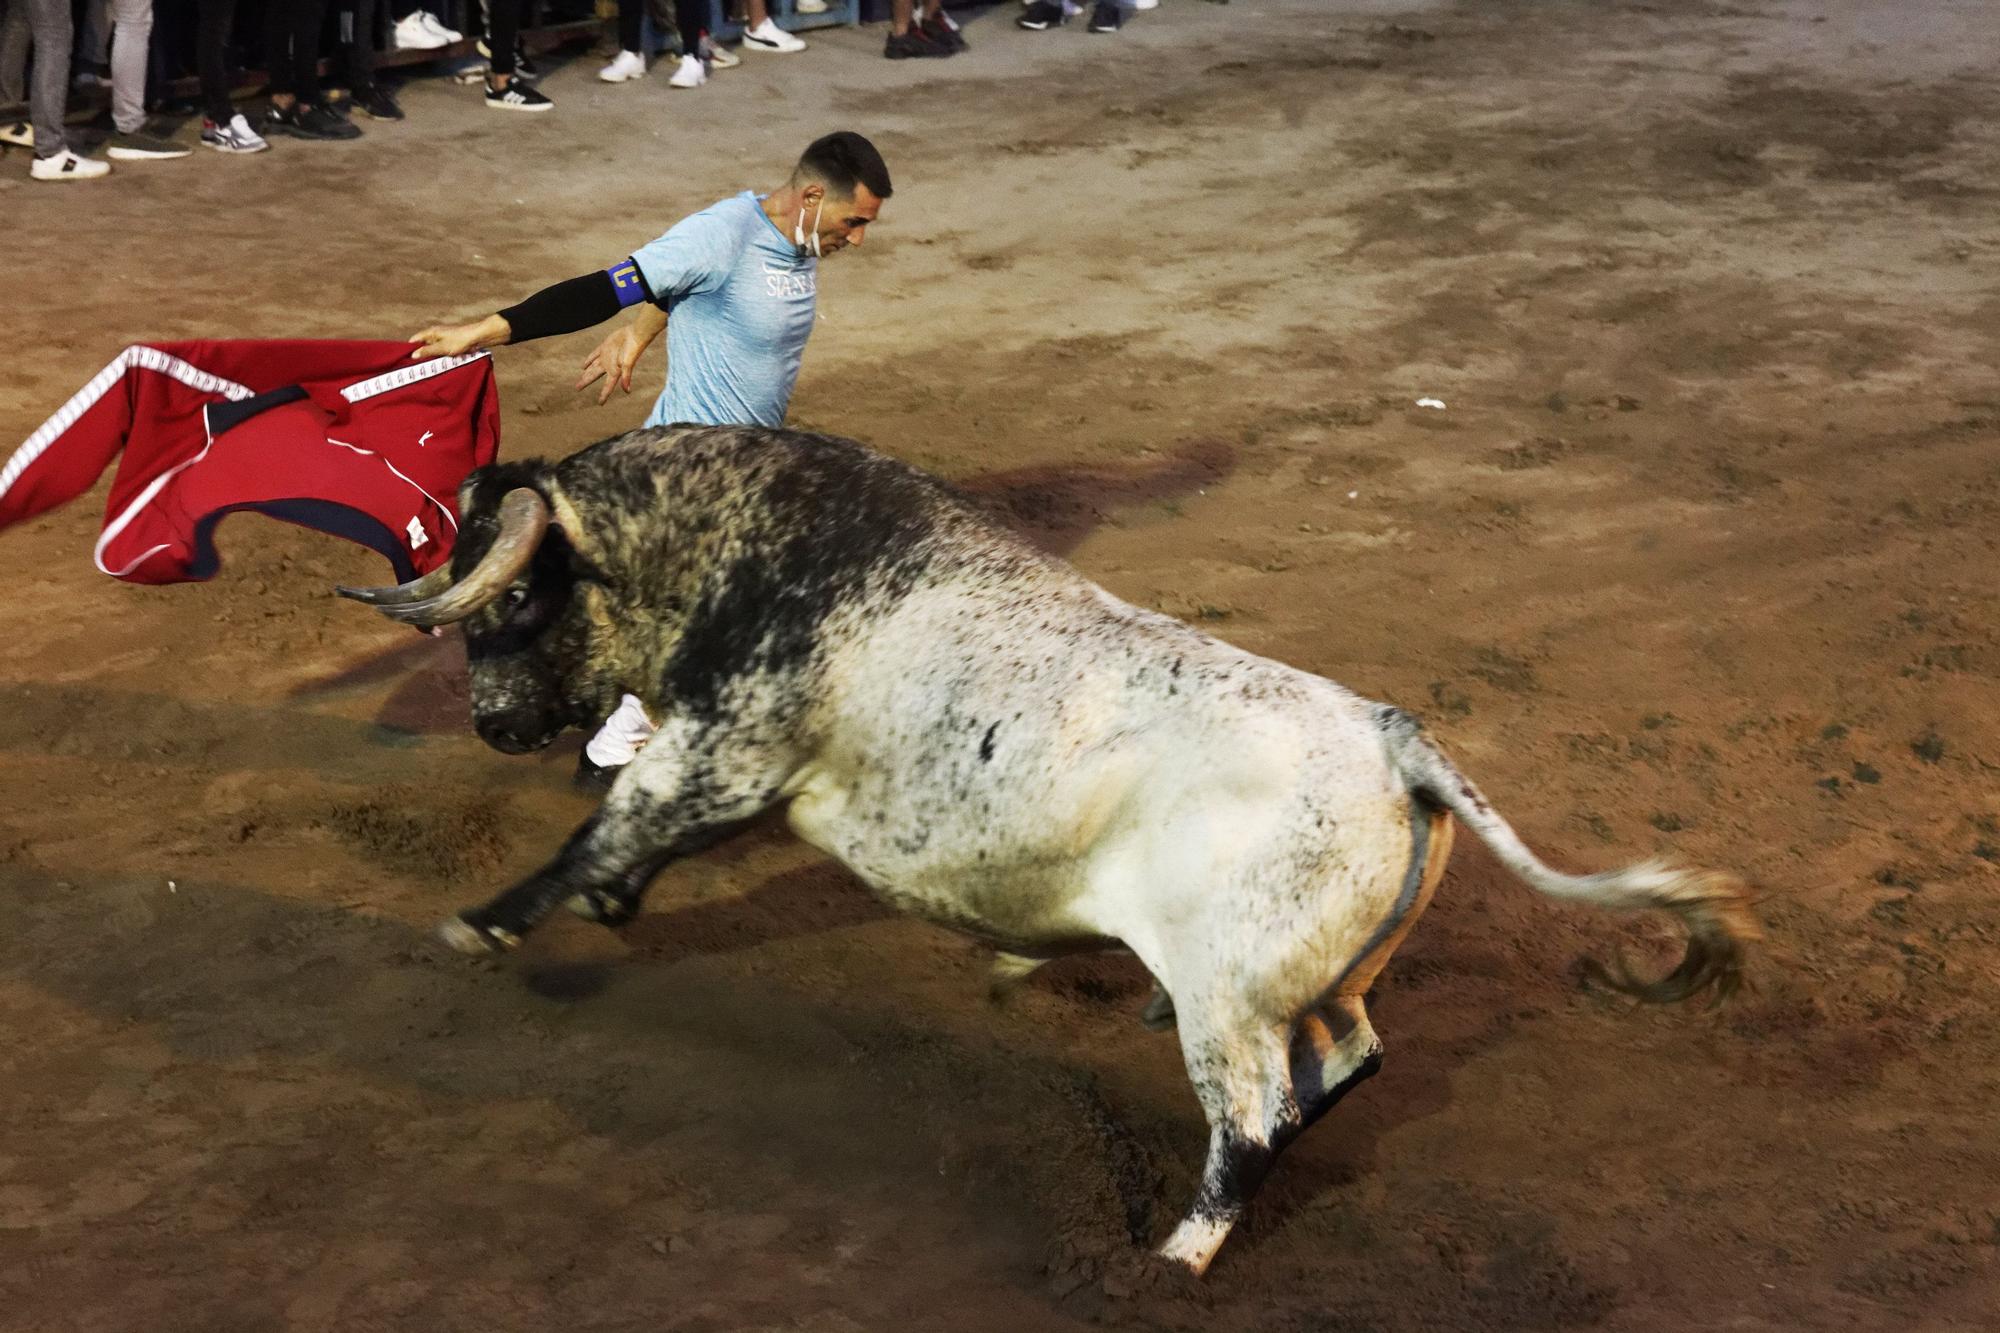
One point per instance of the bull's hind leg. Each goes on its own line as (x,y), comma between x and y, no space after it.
(1243,1078)
(1335,1049)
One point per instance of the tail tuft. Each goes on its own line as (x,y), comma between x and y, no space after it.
(1715,910)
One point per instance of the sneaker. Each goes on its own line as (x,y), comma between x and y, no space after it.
(943,30)
(768,36)
(1042,15)
(718,57)
(517,96)
(235,137)
(1145,4)
(1107,17)
(310,122)
(689,74)
(435,25)
(18,133)
(376,103)
(412,33)
(912,45)
(138,146)
(67,166)
(628,65)
(811,6)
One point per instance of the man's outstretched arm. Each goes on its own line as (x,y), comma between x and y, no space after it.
(575,303)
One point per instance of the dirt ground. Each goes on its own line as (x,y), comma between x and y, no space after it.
(1699,559)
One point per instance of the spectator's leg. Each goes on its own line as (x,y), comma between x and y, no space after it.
(631,19)
(691,17)
(307,19)
(93,44)
(278,52)
(48,93)
(899,16)
(14,52)
(212,25)
(133,31)
(503,30)
(357,33)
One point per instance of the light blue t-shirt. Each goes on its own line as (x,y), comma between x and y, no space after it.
(739,303)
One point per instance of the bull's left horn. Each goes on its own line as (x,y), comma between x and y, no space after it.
(524,518)
(425,585)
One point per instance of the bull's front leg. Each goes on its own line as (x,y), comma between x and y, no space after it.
(683,793)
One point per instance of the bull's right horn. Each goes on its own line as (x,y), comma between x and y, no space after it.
(524,518)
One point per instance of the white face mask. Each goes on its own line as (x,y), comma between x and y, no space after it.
(799,237)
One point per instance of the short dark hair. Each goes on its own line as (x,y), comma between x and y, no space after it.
(842,160)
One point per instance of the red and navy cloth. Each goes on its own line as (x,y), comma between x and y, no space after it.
(350,438)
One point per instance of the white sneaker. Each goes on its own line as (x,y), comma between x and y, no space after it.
(811,6)
(435,25)
(719,57)
(18,133)
(67,166)
(689,75)
(235,137)
(768,36)
(1144,4)
(628,65)
(411,34)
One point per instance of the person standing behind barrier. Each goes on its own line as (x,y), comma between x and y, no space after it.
(223,127)
(291,49)
(760,33)
(131,32)
(48,99)
(357,50)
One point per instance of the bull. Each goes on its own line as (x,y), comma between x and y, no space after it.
(988,740)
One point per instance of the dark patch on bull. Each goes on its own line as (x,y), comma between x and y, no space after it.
(831,524)
(986,744)
(1241,1167)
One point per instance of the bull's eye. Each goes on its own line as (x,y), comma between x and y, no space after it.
(516,596)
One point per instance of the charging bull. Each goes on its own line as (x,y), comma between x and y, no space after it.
(988,740)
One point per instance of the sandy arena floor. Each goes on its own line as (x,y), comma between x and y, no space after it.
(1699,559)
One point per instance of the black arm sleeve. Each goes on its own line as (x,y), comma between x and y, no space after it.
(576,303)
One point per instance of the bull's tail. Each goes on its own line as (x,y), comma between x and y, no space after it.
(1713,906)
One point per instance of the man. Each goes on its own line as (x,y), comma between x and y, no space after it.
(735,288)
(48,99)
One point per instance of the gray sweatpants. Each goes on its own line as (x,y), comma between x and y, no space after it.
(13,51)
(48,93)
(132,30)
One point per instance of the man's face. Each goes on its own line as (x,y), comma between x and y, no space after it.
(843,222)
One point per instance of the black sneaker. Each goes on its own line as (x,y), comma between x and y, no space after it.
(1042,15)
(375,103)
(1106,17)
(943,32)
(309,122)
(913,45)
(517,96)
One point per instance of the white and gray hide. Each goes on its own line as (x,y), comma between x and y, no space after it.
(989,741)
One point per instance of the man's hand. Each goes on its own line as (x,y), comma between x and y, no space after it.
(617,355)
(458,339)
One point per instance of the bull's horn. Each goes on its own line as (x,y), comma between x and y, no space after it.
(524,517)
(424,585)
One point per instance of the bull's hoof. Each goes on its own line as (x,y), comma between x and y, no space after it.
(478,941)
(606,909)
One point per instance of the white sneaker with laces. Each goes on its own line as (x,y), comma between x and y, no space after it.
(235,137)
(628,65)
(768,36)
(689,75)
(719,57)
(435,25)
(67,166)
(410,34)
